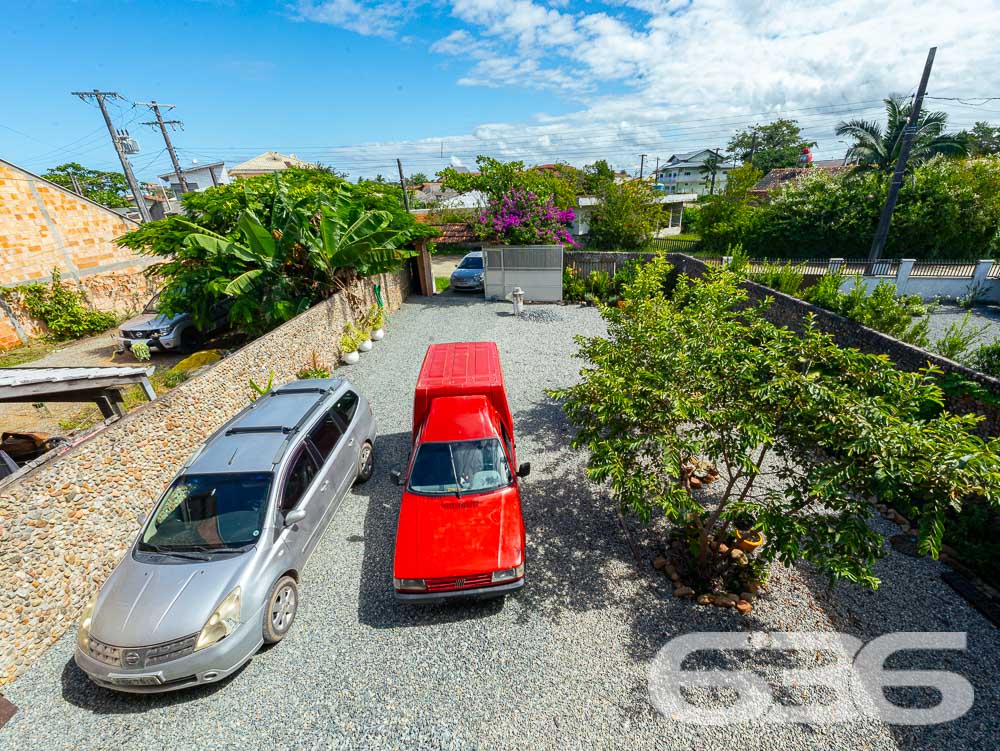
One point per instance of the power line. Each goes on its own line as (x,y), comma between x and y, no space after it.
(162,124)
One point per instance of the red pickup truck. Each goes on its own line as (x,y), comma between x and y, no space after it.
(460,531)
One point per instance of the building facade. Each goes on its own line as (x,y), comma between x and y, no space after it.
(199,177)
(689,173)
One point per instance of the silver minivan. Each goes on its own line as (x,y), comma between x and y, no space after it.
(214,572)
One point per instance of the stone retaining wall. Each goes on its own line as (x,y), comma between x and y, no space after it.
(64,526)
(790,312)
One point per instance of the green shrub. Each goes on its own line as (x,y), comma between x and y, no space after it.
(626,217)
(881,309)
(140,351)
(63,310)
(783,277)
(986,359)
(957,339)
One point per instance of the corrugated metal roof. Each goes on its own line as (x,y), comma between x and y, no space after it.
(27,376)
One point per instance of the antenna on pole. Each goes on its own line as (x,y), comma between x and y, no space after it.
(123,143)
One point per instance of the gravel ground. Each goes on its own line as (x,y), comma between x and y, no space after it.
(561,666)
(987,316)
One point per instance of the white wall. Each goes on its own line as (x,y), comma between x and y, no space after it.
(930,287)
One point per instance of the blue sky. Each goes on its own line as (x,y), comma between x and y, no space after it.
(355,83)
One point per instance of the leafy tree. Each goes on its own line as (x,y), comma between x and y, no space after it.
(597,175)
(724,219)
(767,147)
(878,148)
(626,217)
(260,242)
(697,374)
(107,188)
(496,179)
(982,140)
(417,178)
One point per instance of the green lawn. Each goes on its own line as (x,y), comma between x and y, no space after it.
(441,283)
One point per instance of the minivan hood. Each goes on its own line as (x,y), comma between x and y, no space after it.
(142,604)
(151,322)
(442,536)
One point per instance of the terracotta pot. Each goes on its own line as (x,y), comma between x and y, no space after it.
(749,541)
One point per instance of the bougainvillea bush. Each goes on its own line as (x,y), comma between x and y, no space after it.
(522,217)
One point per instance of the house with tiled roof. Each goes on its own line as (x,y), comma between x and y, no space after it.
(782,176)
(267,164)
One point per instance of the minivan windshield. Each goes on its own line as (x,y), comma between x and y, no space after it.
(209,512)
(459,467)
(471,262)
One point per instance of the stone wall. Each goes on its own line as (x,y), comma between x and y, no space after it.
(65,525)
(45,227)
(790,312)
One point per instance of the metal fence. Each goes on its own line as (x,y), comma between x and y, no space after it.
(947,269)
(610,264)
(672,245)
(995,271)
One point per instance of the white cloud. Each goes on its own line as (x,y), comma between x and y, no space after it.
(686,73)
(366,18)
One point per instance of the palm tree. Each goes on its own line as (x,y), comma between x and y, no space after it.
(876,148)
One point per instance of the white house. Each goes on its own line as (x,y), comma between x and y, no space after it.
(673,213)
(687,173)
(199,176)
(267,164)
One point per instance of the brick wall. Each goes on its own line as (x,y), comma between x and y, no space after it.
(44,227)
(65,525)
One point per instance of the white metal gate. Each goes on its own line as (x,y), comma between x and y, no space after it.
(536,269)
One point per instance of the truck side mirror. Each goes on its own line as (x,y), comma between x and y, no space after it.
(295,516)
(397,476)
(524,470)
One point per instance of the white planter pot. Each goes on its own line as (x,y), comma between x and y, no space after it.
(378,334)
(365,346)
(351,357)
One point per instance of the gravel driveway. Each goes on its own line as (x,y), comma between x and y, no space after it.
(562,666)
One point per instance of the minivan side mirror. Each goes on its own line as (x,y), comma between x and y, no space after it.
(397,476)
(294,516)
(524,470)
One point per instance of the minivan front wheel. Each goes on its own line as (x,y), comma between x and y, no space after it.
(366,463)
(281,608)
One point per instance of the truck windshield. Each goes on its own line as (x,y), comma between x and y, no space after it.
(459,467)
(209,512)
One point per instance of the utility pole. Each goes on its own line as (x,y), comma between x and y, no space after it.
(753,145)
(117,139)
(76,185)
(642,163)
(166,138)
(882,233)
(402,184)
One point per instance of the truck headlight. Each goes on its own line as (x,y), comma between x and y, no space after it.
(223,622)
(86,618)
(410,584)
(165,331)
(508,574)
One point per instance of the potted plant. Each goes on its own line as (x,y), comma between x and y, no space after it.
(349,344)
(375,321)
(364,338)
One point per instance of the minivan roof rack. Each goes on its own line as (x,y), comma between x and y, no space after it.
(302,390)
(260,429)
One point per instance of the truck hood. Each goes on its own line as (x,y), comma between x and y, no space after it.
(142,604)
(442,536)
(150,322)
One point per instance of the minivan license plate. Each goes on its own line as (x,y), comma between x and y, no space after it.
(135,680)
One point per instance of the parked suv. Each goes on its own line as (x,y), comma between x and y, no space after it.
(214,572)
(162,332)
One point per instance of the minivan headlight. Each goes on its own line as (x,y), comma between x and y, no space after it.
(222,623)
(508,574)
(86,618)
